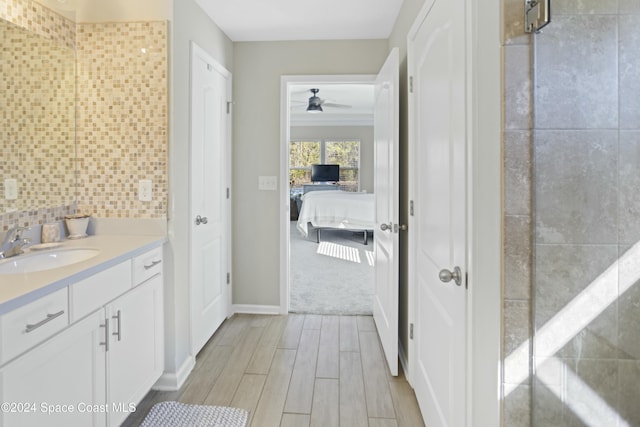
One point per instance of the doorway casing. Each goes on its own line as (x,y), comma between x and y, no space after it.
(286,82)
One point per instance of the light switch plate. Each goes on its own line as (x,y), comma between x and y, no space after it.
(11,189)
(145,190)
(268,183)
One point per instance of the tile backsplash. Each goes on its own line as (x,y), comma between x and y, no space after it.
(122,114)
(40,20)
(37,138)
(122,118)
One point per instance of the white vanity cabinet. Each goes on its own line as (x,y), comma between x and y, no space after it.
(33,323)
(96,370)
(135,356)
(59,383)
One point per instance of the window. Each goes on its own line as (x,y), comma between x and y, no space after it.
(304,153)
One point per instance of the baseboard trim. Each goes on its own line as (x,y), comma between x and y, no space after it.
(170,381)
(256,309)
(404,362)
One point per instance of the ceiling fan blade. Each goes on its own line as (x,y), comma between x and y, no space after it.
(334,105)
(301,91)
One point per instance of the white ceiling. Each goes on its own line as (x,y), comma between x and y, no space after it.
(270,20)
(273,20)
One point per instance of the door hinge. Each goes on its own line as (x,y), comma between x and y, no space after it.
(410,84)
(228,278)
(228,192)
(411,207)
(410,331)
(466,280)
(229,107)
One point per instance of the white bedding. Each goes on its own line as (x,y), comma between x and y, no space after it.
(337,209)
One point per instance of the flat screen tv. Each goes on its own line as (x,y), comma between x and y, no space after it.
(325,173)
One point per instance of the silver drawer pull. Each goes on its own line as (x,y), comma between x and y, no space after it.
(49,318)
(117,333)
(105,343)
(153,264)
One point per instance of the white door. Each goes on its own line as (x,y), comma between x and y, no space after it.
(437,227)
(210,92)
(387,190)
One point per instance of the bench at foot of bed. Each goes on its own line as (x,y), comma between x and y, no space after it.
(365,233)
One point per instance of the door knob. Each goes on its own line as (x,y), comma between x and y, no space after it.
(385,227)
(201,220)
(446,276)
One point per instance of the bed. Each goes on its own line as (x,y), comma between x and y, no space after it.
(343,210)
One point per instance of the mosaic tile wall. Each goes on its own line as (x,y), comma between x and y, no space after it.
(39,20)
(37,113)
(36,216)
(122,118)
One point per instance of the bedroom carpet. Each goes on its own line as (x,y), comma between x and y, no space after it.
(333,277)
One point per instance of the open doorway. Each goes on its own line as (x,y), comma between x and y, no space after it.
(328,241)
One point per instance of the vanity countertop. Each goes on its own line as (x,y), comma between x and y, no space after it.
(19,289)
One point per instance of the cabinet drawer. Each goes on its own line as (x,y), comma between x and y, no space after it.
(33,323)
(93,292)
(147,265)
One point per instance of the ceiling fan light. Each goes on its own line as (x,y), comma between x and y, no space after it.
(314,108)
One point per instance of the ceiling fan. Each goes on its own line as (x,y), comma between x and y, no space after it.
(316,103)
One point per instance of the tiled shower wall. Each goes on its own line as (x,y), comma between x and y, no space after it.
(571,157)
(517,232)
(122,118)
(587,210)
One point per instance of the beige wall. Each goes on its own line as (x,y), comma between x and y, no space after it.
(257,70)
(363,133)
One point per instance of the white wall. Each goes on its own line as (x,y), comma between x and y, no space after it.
(363,133)
(256,126)
(189,23)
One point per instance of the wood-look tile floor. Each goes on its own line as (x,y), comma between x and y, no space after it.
(297,371)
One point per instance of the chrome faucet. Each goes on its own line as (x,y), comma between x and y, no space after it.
(13,242)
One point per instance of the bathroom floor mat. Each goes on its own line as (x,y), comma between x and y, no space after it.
(176,414)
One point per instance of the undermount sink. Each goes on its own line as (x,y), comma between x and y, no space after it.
(46,260)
